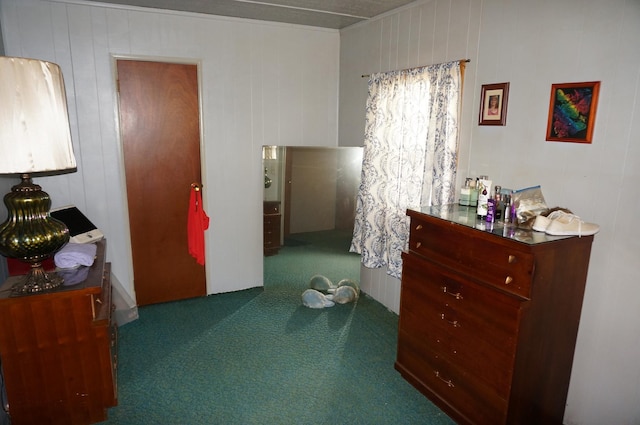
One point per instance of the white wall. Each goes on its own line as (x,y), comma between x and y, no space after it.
(533,44)
(261,83)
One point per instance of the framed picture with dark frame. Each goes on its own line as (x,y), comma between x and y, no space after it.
(493,104)
(572,112)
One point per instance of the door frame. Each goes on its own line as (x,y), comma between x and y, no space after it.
(123,178)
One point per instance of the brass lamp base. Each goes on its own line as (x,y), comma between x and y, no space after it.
(31,235)
(37,280)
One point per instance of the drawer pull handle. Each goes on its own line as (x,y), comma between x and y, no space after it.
(419,227)
(512,259)
(508,280)
(418,244)
(453,323)
(456,295)
(446,381)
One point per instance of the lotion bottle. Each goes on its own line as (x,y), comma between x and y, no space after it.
(484,193)
(473,199)
(465,193)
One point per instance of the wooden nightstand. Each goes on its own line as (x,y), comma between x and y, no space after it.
(59,350)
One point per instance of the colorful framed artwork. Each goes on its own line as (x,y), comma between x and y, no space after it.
(572,112)
(493,104)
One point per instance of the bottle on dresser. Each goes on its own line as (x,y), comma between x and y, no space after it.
(506,205)
(510,217)
(491,210)
(465,193)
(473,199)
(484,193)
(499,205)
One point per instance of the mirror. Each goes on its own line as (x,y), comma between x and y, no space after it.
(309,211)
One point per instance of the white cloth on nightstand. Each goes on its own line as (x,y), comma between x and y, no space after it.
(75,254)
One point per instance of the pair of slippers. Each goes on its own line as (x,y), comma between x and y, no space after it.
(323,293)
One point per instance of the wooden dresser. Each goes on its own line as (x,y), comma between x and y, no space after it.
(271,227)
(59,350)
(489,317)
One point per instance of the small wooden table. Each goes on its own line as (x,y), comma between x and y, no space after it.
(59,350)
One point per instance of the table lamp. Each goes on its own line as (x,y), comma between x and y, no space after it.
(35,138)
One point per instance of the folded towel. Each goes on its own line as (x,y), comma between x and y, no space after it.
(73,276)
(75,254)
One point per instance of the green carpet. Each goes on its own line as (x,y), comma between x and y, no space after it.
(326,253)
(259,357)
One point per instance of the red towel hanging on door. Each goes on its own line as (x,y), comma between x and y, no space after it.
(197,223)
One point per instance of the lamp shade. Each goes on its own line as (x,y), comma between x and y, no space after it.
(34,121)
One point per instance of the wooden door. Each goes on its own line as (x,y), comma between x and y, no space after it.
(310,191)
(288,167)
(160,126)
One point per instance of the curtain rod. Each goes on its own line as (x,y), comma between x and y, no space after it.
(461,61)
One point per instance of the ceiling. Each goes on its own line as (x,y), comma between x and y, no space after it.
(334,14)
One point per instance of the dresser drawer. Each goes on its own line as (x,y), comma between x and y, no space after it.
(101,303)
(459,303)
(474,253)
(271,230)
(487,365)
(271,207)
(271,240)
(112,396)
(471,326)
(459,391)
(271,223)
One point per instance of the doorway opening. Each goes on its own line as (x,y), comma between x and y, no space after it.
(315,189)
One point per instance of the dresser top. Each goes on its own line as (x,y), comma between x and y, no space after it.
(466,216)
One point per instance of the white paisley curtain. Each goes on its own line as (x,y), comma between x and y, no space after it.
(410,157)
